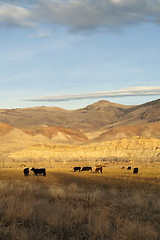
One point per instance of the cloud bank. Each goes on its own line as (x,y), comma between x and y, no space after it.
(134,91)
(79,14)
(12,15)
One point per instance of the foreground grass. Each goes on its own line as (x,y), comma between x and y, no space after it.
(116,205)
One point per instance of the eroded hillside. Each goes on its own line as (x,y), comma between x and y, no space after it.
(131,149)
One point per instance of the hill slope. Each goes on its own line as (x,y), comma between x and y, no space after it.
(58,133)
(146,130)
(13,139)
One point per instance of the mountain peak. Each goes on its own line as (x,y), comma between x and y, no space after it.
(102,104)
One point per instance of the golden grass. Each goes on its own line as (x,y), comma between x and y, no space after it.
(115,205)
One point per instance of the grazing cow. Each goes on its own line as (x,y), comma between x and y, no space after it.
(77,169)
(39,171)
(26,171)
(123,167)
(135,170)
(98,169)
(129,168)
(86,168)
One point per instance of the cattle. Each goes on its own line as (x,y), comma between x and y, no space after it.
(98,169)
(39,171)
(123,167)
(26,171)
(86,168)
(135,170)
(129,168)
(77,169)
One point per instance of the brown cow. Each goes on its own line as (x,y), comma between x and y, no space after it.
(98,169)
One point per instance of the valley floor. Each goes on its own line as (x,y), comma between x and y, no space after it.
(114,205)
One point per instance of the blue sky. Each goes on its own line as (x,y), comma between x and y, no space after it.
(72,53)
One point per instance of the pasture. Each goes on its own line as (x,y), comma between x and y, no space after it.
(67,205)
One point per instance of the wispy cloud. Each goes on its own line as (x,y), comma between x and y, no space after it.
(134,91)
(80,14)
(41,34)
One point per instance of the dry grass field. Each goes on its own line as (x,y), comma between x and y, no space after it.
(114,205)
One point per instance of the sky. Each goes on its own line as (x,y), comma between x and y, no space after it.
(72,53)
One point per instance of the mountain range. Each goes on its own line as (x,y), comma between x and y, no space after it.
(22,128)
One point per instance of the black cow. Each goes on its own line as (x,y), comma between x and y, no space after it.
(39,171)
(86,168)
(135,170)
(98,169)
(26,171)
(129,168)
(77,169)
